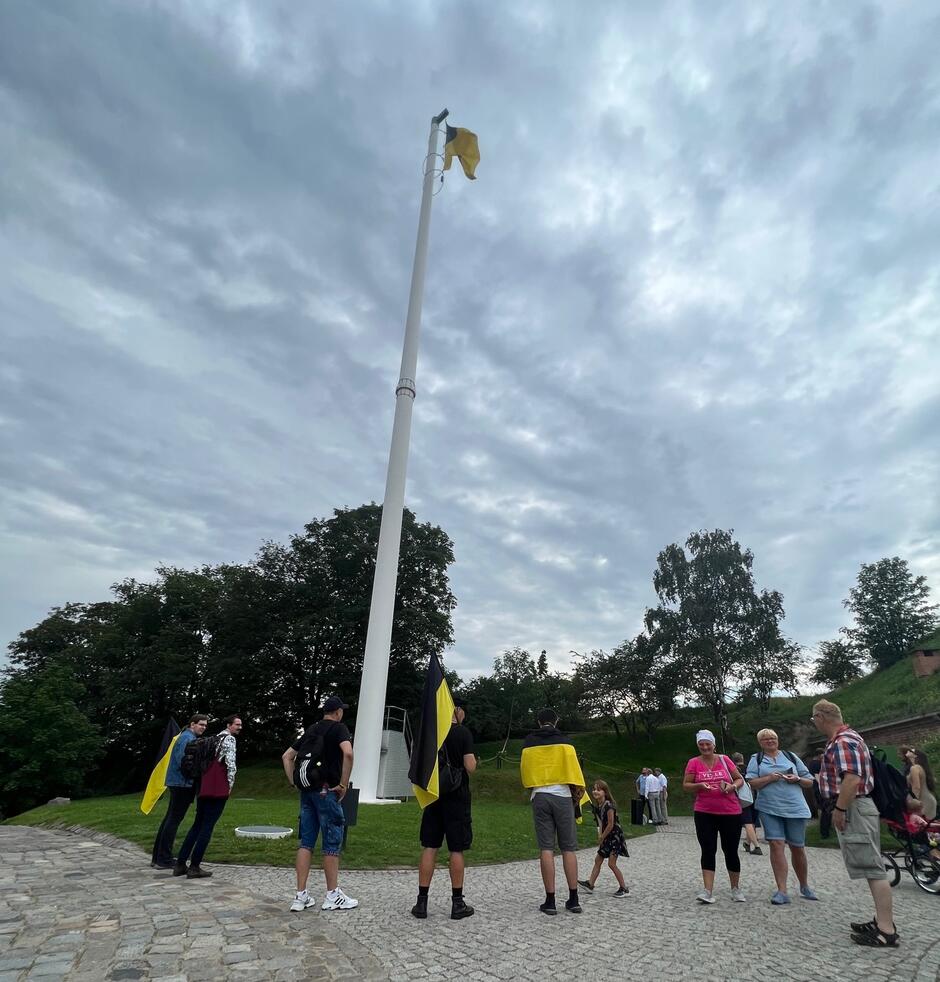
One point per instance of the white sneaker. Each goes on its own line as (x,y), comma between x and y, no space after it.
(736,894)
(337,900)
(705,897)
(302,901)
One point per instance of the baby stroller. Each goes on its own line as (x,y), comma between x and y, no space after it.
(913,853)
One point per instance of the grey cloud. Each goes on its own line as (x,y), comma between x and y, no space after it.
(694,286)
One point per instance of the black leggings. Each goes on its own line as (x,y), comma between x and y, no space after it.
(708,828)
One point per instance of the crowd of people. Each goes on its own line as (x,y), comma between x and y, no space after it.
(769,790)
(652,793)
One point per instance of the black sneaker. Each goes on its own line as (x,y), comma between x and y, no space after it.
(572,906)
(587,885)
(623,892)
(197,873)
(163,865)
(180,869)
(420,909)
(548,908)
(460,908)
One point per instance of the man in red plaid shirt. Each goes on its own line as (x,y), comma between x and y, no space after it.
(845,784)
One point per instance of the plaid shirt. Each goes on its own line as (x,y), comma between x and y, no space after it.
(846,753)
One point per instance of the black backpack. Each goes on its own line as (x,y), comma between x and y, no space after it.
(890,792)
(308,765)
(449,776)
(198,755)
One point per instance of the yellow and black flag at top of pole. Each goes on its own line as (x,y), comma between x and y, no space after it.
(437,713)
(462,144)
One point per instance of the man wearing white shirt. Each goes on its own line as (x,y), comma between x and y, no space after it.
(663,794)
(653,796)
(641,789)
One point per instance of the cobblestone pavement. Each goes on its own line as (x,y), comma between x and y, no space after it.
(85,910)
(92,911)
(659,931)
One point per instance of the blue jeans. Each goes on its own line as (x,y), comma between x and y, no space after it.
(208,812)
(321,813)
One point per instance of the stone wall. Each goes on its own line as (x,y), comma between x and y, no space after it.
(926,663)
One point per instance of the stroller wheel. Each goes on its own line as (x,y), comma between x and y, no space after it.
(926,873)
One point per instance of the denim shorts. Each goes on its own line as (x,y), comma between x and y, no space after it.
(321,814)
(776,827)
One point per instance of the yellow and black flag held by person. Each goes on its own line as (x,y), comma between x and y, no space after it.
(437,714)
(157,783)
(462,144)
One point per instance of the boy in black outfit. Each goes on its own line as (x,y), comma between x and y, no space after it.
(449,818)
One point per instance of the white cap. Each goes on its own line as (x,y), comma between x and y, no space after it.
(704,735)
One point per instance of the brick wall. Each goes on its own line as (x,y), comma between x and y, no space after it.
(926,663)
(914,731)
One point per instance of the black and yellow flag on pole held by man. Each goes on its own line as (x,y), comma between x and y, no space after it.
(462,144)
(157,783)
(437,714)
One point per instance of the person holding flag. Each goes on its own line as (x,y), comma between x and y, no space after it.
(442,761)
(550,767)
(182,791)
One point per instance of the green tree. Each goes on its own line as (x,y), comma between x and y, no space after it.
(710,617)
(892,612)
(47,745)
(629,686)
(838,664)
(267,640)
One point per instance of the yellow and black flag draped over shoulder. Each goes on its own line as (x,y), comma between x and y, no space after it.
(549,758)
(437,713)
(462,144)
(157,783)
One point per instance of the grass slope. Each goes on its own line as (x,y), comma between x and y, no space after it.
(893,693)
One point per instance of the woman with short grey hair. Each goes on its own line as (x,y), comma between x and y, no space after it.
(779,776)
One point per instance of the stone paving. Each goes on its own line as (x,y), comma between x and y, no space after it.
(79,909)
(94,911)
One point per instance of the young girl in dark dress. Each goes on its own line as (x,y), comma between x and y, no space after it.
(610,838)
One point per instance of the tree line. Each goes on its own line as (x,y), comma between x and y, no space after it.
(89,689)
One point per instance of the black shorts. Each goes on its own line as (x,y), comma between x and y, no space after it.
(448,818)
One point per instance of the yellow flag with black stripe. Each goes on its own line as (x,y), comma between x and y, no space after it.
(437,714)
(463,145)
(157,783)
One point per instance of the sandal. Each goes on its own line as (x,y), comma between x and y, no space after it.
(876,939)
(869,927)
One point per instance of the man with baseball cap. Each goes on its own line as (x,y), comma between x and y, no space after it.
(321,792)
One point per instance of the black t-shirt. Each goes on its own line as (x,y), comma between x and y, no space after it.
(334,734)
(458,743)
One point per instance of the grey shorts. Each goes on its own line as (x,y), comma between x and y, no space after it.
(861,842)
(554,816)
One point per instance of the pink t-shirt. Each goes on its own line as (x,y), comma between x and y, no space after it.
(714,802)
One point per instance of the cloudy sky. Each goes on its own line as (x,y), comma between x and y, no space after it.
(696,285)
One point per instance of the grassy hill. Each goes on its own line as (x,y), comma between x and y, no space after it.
(890,694)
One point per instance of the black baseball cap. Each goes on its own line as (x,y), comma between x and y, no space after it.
(547,716)
(334,703)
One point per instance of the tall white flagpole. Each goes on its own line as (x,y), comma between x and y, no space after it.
(370,713)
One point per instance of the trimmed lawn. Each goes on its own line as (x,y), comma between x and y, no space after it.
(386,836)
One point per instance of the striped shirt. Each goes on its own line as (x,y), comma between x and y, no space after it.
(846,753)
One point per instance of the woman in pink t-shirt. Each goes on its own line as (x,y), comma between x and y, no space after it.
(715,781)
